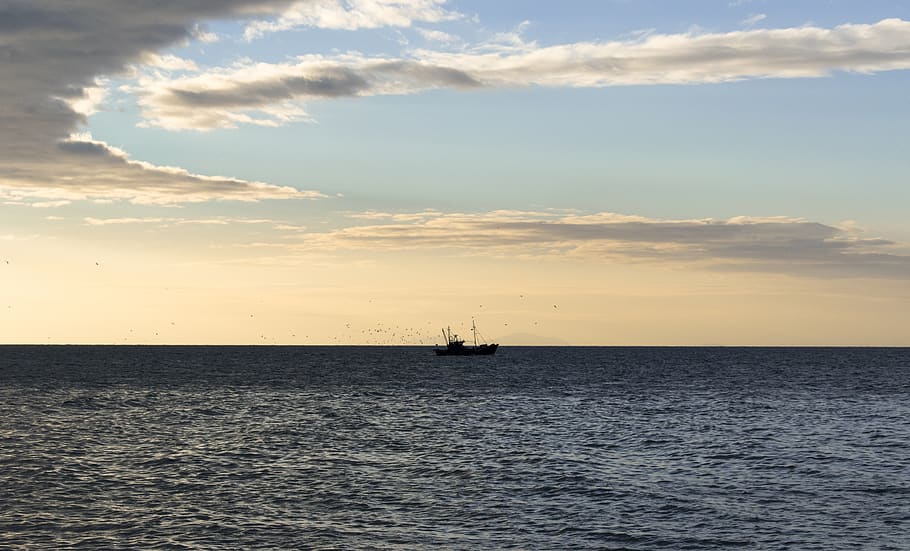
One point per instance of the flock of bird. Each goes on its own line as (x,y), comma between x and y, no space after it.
(378,334)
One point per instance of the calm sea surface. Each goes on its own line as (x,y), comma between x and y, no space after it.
(394,448)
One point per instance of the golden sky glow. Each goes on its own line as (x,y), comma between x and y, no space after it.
(322,172)
(55,292)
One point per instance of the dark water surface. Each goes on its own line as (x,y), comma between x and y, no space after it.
(393,448)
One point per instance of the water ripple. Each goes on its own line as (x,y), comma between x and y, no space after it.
(390,448)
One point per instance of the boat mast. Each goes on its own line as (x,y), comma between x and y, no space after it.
(474,330)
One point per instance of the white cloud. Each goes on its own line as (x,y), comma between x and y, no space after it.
(272,94)
(169,62)
(753,19)
(168,222)
(88,103)
(14,237)
(91,221)
(441,37)
(50,204)
(203,35)
(512,41)
(352,15)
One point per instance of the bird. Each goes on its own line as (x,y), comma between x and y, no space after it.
(554,306)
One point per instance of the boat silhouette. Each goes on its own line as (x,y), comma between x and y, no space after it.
(455,346)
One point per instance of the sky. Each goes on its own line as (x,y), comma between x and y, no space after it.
(585,172)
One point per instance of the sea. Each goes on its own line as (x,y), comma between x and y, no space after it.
(214,447)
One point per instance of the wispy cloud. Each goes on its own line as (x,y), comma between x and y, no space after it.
(434,35)
(754,19)
(759,244)
(273,94)
(352,14)
(50,204)
(167,222)
(169,62)
(108,172)
(91,221)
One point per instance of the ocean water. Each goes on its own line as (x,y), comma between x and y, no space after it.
(394,448)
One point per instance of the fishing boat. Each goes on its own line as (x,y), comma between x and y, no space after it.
(455,346)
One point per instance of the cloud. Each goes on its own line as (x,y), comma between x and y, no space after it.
(91,221)
(53,56)
(169,62)
(91,99)
(50,204)
(352,14)
(163,222)
(769,244)
(432,35)
(269,94)
(94,169)
(203,35)
(272,94)
(753,19)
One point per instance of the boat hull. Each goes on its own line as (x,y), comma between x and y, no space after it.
(482,350)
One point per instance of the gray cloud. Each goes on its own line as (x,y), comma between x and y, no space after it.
(425,75)
(221,100)
(781,245)
(333,83)
(51,53)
